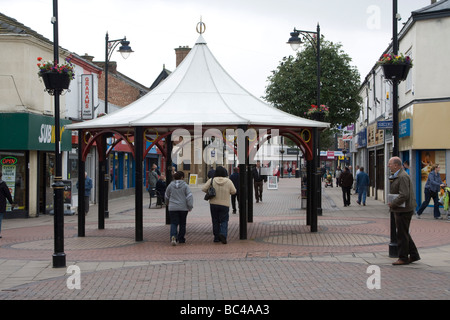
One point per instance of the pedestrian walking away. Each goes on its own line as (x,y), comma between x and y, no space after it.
(180,201)
(362,183)
(338,177)
(87,192)
(4,195)
(323,172)
(152,180)
(346,185)
(402,203)
(258,181)
(235,179)
(432,189)
(220,204)
(161,190)
(358,171)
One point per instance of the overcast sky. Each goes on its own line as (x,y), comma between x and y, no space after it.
(247,37)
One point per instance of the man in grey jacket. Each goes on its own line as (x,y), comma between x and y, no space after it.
(180,201)
(403,208)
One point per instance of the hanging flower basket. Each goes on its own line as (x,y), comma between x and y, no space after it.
(318,117)
(397,72)
(55,81)
(56,77)
(317,113)
(395,67)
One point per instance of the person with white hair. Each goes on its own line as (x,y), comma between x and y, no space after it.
(402,203)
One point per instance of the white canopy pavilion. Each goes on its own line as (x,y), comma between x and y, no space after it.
(199,93)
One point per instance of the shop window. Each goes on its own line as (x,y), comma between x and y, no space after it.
(13,167)
(117,170)
(186,166)
(429,158)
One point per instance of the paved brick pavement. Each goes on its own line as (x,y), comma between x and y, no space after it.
(280,260)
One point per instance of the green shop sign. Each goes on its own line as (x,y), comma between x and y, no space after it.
(26,131)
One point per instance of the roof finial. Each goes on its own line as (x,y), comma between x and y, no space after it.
(201,27)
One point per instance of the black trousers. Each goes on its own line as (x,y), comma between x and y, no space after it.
(86,204)
(234,197)
(405,243)
(428,197)
(346,195)
(258,190)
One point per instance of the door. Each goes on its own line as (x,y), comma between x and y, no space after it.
(46,179)
(371,172)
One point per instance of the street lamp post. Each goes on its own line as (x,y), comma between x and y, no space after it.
(59,257)
(316,204)
(393,246)
(125,51)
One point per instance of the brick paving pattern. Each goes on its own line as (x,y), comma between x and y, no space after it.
(280,260)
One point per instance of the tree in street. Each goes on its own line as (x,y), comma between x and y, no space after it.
(293,86)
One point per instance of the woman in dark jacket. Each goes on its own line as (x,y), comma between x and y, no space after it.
(346,185)
(432,189)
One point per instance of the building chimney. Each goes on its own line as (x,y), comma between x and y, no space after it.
(433,1)
(181,53)
(88,57)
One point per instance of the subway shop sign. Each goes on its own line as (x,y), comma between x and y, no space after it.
(26,131)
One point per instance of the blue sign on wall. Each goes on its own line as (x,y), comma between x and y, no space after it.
(404,129)
(382,125)
(362,138)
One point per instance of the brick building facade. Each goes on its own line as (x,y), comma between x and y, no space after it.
(121,90)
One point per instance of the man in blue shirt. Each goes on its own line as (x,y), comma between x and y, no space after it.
(362,183)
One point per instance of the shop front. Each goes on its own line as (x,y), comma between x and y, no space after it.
(27,161)
(376,160)
(121,167)
(424,143)
(13,167)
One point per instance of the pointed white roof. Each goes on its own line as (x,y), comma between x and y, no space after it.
(199,91)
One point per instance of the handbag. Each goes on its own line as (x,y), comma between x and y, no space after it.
(211,192)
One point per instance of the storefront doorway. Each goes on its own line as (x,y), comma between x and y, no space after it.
(13,165)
